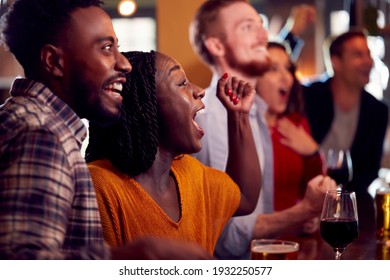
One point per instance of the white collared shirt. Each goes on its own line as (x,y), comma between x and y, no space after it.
(238,233)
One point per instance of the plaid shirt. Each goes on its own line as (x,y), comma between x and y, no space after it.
(48,207)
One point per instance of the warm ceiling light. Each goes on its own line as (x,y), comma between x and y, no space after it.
(127,7)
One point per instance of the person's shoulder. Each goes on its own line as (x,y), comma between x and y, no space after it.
(21,115)
(101,166)
(104,175)
(25,111)
(371,100)
(317,92)
(190,162)
(315,84)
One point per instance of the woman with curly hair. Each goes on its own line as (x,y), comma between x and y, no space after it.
(145,179)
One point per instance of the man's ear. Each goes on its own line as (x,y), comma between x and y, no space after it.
(335,62)
(52,61)
(215,46)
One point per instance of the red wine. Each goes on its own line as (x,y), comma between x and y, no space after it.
(338,233)
(341,176)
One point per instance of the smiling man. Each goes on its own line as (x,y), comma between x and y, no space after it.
(73,71)
(343,115)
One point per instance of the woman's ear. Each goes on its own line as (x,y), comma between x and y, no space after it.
(215,46)
(52,61)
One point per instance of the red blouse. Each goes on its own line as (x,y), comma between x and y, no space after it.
(292,171)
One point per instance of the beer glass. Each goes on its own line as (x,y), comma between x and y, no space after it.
(382,209)
(273,249)
(383,251)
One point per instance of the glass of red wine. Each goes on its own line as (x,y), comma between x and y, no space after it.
(339,220)
(339,166)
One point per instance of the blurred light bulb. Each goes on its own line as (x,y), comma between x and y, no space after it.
(127,7)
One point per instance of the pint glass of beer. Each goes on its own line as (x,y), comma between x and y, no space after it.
(272,249)
(382,208)
(383,251)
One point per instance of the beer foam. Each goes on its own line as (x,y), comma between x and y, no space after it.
(383,192)
(274,248)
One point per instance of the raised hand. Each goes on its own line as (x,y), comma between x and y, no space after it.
(300,18)
(235,94)
(243,164)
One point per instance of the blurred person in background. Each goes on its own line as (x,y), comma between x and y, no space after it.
(295,153)
(343,115)
(229,36)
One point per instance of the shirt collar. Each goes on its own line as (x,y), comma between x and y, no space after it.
(31,88)
(214,80)
(260,104)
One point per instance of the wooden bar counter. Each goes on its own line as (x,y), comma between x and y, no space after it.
(313,247)
(365,247)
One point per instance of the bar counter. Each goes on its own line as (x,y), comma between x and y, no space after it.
(365,247)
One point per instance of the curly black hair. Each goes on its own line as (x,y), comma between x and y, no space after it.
(131,144)
(30,24)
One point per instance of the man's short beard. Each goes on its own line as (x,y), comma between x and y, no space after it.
(250,69)
(254,68)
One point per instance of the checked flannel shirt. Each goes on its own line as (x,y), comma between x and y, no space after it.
(48,207)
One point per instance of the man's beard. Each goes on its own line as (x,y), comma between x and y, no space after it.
(252,68)
(90,106)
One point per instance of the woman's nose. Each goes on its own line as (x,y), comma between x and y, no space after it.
(123,64)
(198,92)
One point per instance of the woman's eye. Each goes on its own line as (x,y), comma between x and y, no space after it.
(184,83)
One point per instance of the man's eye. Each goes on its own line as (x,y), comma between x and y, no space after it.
(247,27)
(107,47)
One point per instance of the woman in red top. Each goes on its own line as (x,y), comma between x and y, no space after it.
(296,157)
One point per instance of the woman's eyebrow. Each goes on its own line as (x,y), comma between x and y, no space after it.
(174,68)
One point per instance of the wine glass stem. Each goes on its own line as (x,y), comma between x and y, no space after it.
(337,254)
